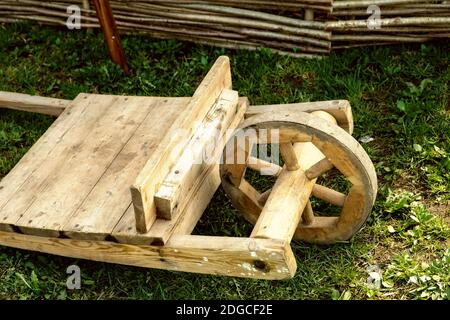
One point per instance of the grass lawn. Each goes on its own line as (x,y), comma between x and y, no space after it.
(400,97)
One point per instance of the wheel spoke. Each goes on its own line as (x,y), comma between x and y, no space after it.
(308,214)
(319,168)
(264,166)
(329,195)
(250,192)
(264,196)
(290,158)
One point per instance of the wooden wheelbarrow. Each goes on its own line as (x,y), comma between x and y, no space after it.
(70,194)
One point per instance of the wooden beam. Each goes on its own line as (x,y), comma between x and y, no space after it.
(28,103)
(159,165)
(238,257)
(339,109)
(172,194)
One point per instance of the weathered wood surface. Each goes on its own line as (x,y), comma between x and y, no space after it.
(23,185)
(339,109)
(239,257)
(197,155)
(162,160)
(198,199)
(110,198)
(75,180)
(28,103)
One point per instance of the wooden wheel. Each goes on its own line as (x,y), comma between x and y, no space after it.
(310,145)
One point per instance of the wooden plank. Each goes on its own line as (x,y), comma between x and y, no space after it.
(187,222)
(64,190)
(184,222)
(41,149)
(110,198)
(238,257)
(198,153)
(339,109)
(28,103)
(160,163)
(49,154)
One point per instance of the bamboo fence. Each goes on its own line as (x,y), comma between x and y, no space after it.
(301,28)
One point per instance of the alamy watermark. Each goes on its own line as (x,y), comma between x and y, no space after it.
(74,19)
(74,279)
(374,20)
(239,149)
(375,277)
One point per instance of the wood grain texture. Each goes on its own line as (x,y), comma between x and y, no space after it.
(22,186)
(28,103)
(63,191)
(110,198)
(185,220)
(159,165)
(238,257)
(289,156)
(290,194)
(197,155)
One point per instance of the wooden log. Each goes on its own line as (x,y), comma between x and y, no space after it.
(365,3)
(408,21)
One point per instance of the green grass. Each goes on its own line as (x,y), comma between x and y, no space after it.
(399,96)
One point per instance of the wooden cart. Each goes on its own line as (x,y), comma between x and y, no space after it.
(70,194)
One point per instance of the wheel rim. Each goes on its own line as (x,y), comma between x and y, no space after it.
(340,148)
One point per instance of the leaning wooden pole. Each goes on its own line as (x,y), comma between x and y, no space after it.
(111,34)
